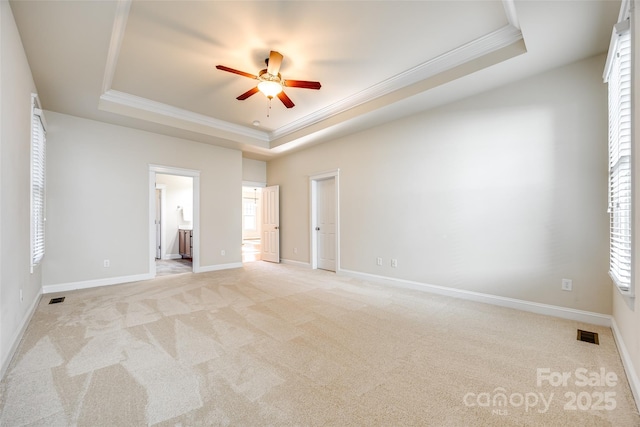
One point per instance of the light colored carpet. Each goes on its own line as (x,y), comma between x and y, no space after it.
(274,345)
(165,267)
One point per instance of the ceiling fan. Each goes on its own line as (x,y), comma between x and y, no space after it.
(270,82)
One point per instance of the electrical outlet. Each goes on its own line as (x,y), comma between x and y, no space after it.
(567,284)
(394,263)
(379,261)
(223,252)
(106,263)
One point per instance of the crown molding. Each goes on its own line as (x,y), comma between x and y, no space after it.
(487,44)
(510,11)
(158,112)
(117,35)
(146,109)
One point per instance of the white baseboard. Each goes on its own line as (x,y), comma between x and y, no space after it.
(533,307)
(632,375)
(63,287)
(172,256)
(218,267)
(17,337)
(296,263)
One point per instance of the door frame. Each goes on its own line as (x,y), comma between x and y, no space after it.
(313,190)
(163,206)
(169,170)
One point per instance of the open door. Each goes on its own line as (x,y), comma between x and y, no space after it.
(270,241)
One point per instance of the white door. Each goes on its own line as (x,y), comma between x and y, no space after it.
(326,224)
(270,241)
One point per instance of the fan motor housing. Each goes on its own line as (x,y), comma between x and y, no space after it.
(266,77)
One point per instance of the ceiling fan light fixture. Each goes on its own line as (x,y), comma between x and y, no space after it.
(270,82)
(270,88)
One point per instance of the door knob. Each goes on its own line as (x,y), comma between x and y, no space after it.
(317,228)
(277,227)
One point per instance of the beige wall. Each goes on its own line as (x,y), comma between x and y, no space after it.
(503,193)
(254,171)
(626,314)
(98,199)
(16,86)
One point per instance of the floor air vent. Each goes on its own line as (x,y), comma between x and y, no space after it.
(56,300)
(586,336)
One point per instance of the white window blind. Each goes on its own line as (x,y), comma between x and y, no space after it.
(38,155)
(618,78)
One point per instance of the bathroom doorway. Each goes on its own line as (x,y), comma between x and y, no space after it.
(175,247)
(174,220)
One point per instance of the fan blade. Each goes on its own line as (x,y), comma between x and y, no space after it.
(275,59)
(286,100)
(231,70)
(302,84)
(248,94)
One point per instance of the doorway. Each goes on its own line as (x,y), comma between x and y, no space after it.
(174,220)
(325,221)
(174,211)
(251,224)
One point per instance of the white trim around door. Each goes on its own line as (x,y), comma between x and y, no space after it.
(168,170)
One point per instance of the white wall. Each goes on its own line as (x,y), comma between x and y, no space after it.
(16,86)
(178,196)
(503,193)
(98,199)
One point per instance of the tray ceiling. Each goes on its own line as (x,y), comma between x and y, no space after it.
(151,64)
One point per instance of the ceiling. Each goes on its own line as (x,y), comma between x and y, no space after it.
(151,64)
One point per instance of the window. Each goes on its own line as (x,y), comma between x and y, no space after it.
(250,214)
(38,139)
(618,77)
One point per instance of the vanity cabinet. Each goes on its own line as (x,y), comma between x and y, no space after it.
(185,243)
